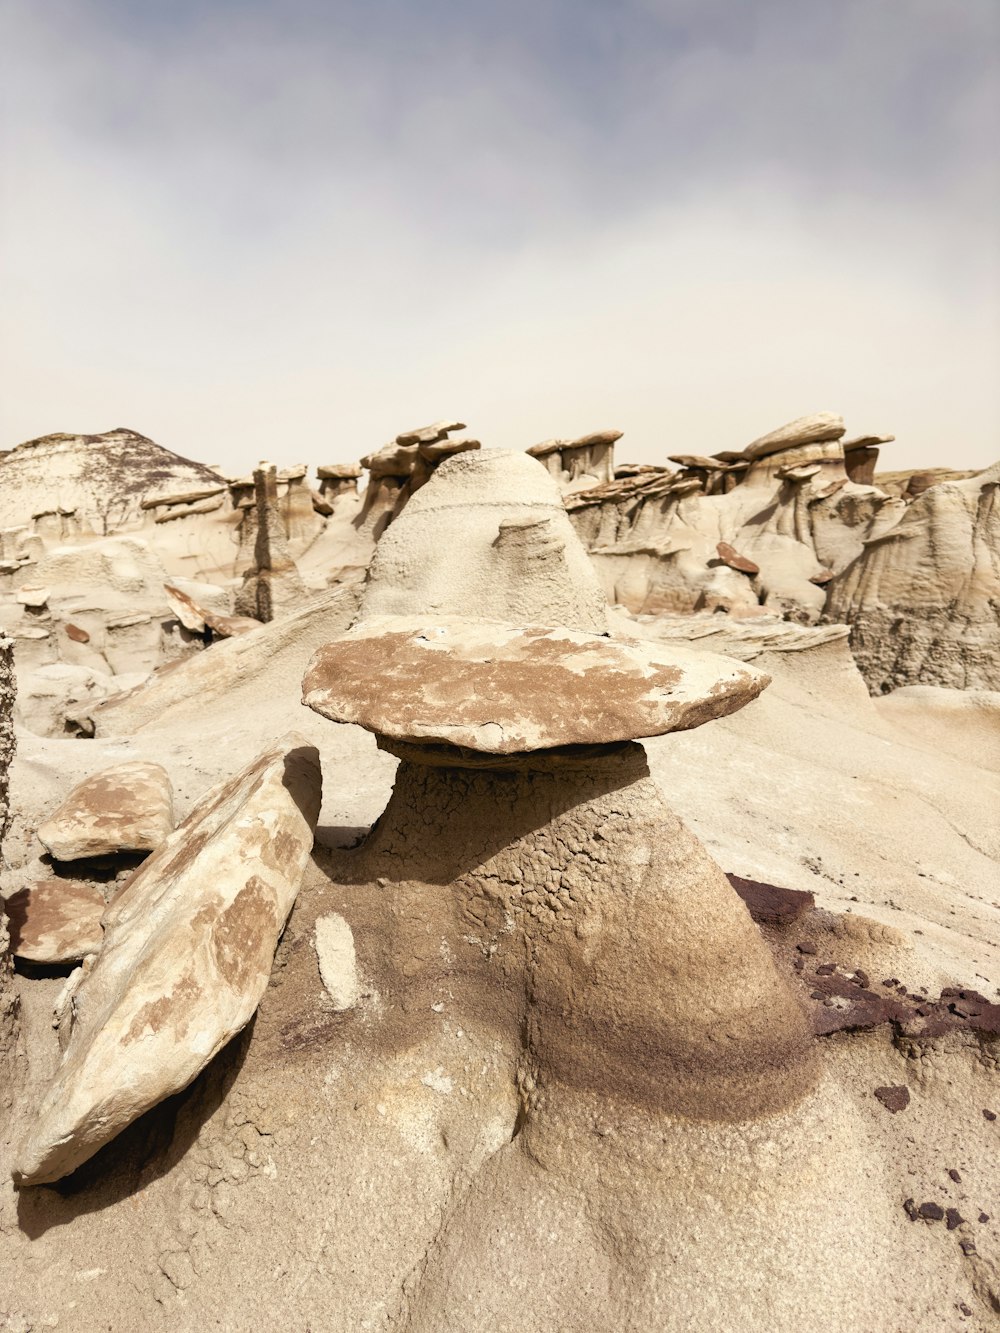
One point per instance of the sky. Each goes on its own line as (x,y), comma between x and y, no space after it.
(291,229)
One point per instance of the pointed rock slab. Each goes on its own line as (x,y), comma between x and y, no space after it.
(816,429)
(127,808)
(499,689)
(55,921)
(187,955)
(731,557)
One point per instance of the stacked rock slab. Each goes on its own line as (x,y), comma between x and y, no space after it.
(403,467)
(785,504)
(587,461)
(186,956)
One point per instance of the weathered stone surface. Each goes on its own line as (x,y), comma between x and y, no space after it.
(497,689)
(338,964)
(922,597)
(55,921)
(429,434)
(815,429)
(126,808)
(490,531)
(187,955)
(197,618)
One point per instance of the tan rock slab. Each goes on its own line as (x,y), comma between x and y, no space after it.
(55,921)
(500,689)
(187,955)
(126,808)
(815,429)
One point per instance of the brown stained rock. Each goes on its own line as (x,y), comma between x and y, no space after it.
(729,556)
(187,954)
(496,689)
(55,921)
(198,619)
(428,434)
(931,1212)
(894,1099)
(126,808)
(77,634)
(773,906)
(954,1218)
(822,578)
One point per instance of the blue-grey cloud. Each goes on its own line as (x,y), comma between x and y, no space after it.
(251,227)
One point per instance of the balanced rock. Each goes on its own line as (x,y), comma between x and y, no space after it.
(187,955)
(502,690)
(815,429)
(731,557)
(126,808)
(55,921)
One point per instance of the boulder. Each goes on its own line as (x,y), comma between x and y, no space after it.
(734,560)
(55,921)
(502,690)
(125,808)
(187,956)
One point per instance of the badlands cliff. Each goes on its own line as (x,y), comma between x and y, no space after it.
(494,890)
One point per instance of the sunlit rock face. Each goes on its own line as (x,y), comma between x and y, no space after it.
(923,598)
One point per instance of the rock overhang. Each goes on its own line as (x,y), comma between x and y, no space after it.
(484,687)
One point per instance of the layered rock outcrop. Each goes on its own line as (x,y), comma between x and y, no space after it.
(923,597)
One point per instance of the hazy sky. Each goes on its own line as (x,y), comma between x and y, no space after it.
(291,229)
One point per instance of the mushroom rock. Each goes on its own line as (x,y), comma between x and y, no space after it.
(861,457)
(522,689)
(403,467)
(816,429)
(338,479)
(734,560)
(55,921)
(572,914)
(187,955)
(126,808)
(922,597)
(489,531)
(579,464)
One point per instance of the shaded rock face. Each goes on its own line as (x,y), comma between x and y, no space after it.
(101,480)
(488,533)
(923,598)
(187,954)
(126,808)
(496,689)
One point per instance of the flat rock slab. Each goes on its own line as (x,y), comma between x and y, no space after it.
(55,921)
(500,689)
(819,428)
(127,808)
(187,955)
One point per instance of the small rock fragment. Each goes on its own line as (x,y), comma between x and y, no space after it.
(894,1099)
(932,1212)
(338,964)
(955,1218)
(954,1175)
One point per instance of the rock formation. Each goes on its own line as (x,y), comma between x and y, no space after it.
(56,921)
(399,469)
(8,997)
(127,808)
(271,585)
(923,597)
(784,506)
(579,464)
(186,957)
